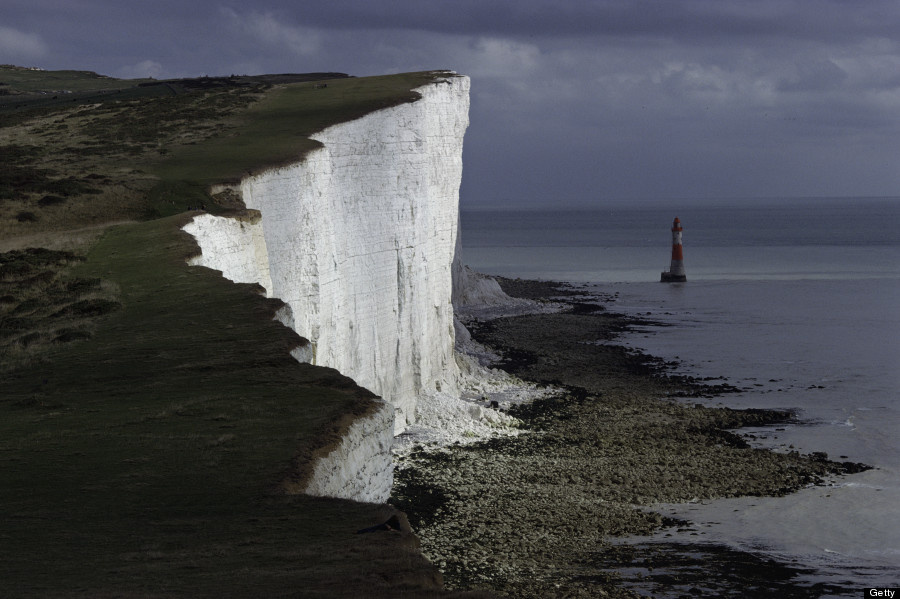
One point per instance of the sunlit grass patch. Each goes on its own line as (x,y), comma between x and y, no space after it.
(153,152)
(275,129)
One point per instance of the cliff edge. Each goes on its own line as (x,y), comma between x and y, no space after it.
(358,238)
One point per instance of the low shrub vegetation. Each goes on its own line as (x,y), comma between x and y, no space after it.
(42,304)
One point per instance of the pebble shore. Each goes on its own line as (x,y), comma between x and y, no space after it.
(538,514)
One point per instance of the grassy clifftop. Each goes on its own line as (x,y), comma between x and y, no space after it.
(120,150)
(153,424)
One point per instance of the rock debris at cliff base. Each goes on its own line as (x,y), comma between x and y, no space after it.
(534,515)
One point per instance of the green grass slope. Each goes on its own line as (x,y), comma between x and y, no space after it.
(153,428)
(274,130)
(139,149)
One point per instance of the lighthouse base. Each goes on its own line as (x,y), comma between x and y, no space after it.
(669,277)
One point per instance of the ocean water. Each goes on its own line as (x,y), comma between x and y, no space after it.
(795,301)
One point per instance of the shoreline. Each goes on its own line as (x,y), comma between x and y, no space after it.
(538,514)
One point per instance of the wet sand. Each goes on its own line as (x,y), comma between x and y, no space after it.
(541,514)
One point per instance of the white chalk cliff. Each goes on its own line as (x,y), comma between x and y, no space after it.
(358,239)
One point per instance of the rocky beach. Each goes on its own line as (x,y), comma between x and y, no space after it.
(544,514)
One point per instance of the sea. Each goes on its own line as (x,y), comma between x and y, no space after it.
(796,301)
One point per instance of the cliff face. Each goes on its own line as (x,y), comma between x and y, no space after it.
(361,468)
(359,240)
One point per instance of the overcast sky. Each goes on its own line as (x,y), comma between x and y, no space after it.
(573,101)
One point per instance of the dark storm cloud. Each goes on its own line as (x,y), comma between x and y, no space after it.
(571,100)
(687,20)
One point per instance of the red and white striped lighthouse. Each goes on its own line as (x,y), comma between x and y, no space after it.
(675,274)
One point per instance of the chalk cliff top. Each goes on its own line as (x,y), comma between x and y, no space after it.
(116,149)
